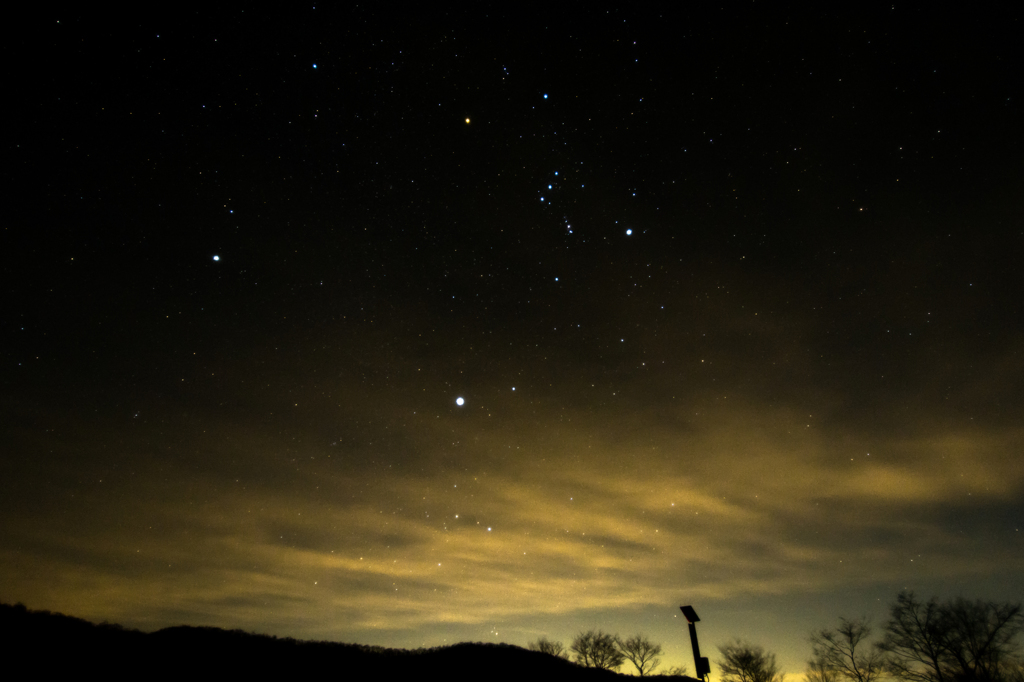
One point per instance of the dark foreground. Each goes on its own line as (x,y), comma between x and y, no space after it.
(52,642)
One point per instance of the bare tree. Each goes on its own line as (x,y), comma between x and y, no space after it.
(674,671)
(913,641)
(641,652)
(743,662)
(845,653)
(546,646)
(983,638)
(817,671)
(956,641)
(597,650)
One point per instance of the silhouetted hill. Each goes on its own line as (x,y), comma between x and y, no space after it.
(53,642)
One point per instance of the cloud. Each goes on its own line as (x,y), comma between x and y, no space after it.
(510,512)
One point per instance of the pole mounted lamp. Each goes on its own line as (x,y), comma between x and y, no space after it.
(699,662)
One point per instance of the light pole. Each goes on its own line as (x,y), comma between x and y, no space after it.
(699,662)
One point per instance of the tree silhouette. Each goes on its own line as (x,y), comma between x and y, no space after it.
(674,671)
(956,641)
(546,646)
(743,662)
(845,653)
(641,652)
(597,650)
(819,672)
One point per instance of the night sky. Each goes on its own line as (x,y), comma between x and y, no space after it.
(731,297)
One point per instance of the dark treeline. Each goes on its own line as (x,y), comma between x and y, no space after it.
(957,640)
(52,642)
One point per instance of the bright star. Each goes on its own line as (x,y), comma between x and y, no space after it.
(459,401)
(216,258)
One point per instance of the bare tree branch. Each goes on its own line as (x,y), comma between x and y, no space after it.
(743,662)
(597,650)
(845,653)
(956,641)
(642,653)
(546,646)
